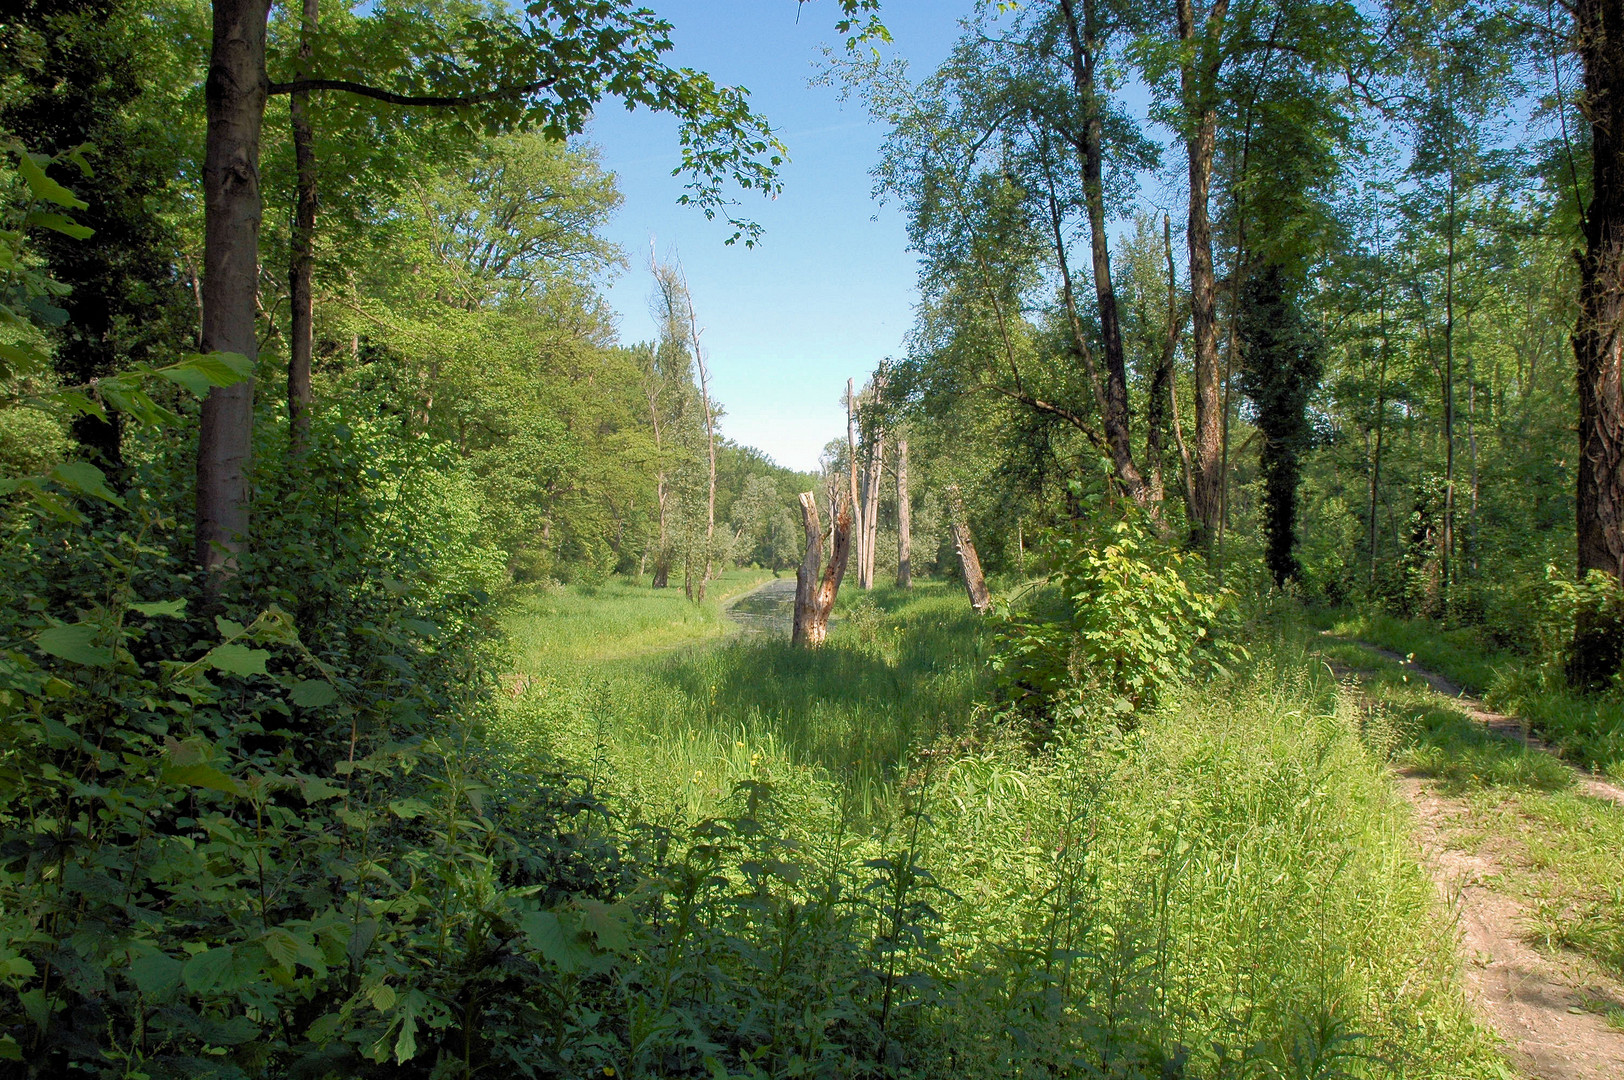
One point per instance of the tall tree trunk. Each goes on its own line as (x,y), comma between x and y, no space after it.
(1114,414)
(904,518)
(234,97)
(1381,417)
(1198,85)
(1449,393)
(710,438)
(814,599)
(302,245)
(1598,337)
(871,505)
(851,455)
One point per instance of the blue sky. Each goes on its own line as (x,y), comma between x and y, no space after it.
(829,291)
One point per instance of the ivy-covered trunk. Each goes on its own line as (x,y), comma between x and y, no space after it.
(1598,339)
(234,97)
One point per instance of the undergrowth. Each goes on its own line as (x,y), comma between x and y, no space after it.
(856,872)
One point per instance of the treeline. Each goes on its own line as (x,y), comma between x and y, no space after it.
(1294,280)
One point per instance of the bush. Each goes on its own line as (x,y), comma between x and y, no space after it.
(1126,616)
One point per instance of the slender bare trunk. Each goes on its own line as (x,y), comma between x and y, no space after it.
(871,506)
(234,96)
(1114,415)
(851,456)
(1381,417)
(710,438)
(904,518)
(1199,91)
(814,599)
(302,245)
(1449,393)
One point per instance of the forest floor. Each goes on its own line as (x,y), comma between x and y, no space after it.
(1518,846)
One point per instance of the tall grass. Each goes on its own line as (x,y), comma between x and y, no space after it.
(877,880)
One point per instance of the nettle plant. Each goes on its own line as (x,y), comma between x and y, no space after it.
(1122,617)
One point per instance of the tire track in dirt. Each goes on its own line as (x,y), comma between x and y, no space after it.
(1542,1005)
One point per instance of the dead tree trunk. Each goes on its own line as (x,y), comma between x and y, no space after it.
(871,508)
(851,457)
(234,99)
(1598,337)
(815,599)
(975,583)
(904,518)
(710,437)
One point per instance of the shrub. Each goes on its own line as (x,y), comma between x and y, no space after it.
(1126,616)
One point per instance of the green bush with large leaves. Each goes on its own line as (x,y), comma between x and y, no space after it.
(1121,616)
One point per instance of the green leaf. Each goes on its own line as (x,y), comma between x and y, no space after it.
(59,223)
(44,187)
(281,946)
(546,934)
(76,644)
(26,359)
(174,609)
(204,971)
(156,974)
(238,659)
(85,478)
(203,776)
(313,694)
(9,1050)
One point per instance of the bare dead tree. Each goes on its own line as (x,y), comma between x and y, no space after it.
(814,598)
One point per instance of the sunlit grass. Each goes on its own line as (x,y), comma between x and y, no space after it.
(1236,877)
(564,625)
(1587,729)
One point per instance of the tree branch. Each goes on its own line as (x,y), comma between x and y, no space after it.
(412,100)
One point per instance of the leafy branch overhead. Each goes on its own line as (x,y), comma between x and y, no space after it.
(547,66)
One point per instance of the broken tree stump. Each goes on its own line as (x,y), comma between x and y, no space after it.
(815,599)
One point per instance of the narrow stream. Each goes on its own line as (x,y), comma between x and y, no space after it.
(769,609)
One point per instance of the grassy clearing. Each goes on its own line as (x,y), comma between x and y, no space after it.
(564,625)
(1587,729)
(1228,890)
(1558,846)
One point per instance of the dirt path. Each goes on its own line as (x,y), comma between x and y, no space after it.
(1505,726)
(1544,1005)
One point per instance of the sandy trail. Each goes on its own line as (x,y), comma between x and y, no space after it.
(1544,1005)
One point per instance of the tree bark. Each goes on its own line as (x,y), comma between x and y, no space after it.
(234,97)
(975,583)
(710,437)
(302,254)
(904,519)
(1198,84)
(1114,415)
(1598,337)
(814,599)
(871,506)
(851,455)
